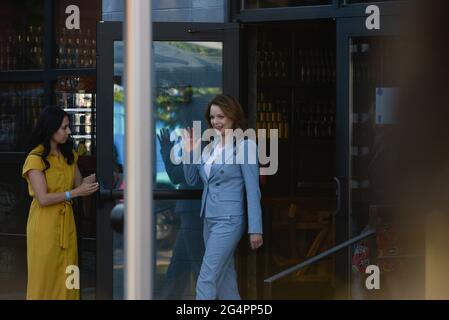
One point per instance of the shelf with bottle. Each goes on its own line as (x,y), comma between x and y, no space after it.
(317,89)
(78,101)
(78,110)
(76,96)
(82,129)
(314,65)
(83,144)
(20,106)
(316,121)
(72,96)
(75,49)
(82,123)
(81,119)
(272,113)
(22,49)
(273,60)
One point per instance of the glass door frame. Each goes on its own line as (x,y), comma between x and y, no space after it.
(107,34)
(336,9)
(347,28)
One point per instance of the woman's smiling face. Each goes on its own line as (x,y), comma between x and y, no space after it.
(219,120)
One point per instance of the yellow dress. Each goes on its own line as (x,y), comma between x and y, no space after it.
(51,233)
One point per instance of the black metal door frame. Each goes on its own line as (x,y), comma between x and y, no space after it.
(347,28)
(107,34)
(335,9)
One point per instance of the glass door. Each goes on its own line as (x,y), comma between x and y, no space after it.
(191,63)
(366,93)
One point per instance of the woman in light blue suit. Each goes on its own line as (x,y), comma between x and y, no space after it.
(228,185)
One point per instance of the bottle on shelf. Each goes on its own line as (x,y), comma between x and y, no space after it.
(315,119)
(61,55)
(314,65)
(272,60)
(272,114)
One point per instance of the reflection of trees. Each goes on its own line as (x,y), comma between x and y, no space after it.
(170,100)
(119,94)
(197,49)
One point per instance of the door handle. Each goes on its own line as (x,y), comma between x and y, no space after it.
(110,194)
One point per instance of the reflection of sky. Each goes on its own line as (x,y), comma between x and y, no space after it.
(119,130)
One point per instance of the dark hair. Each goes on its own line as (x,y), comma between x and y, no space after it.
(231,108)
(48,123)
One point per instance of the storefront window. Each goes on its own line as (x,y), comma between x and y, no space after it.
(21,45)
(76,95)
(76,48)
(20,104)
(187,76)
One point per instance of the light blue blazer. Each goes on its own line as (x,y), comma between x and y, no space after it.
(225,189)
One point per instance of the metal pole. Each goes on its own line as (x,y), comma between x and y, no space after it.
(138,229)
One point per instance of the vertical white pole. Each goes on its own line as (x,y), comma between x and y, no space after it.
(138,229)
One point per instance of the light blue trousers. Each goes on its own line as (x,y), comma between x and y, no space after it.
(217,278)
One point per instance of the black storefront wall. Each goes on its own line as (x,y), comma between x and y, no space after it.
(34,72)
(350,26)
(347,20)
(334,26)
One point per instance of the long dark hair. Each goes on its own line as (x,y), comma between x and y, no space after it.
(47,125)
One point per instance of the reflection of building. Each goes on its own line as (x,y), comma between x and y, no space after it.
(312,75)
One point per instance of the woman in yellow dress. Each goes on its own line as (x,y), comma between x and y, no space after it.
(54,180)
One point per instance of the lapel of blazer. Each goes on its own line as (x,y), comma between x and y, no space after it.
(227,152)
(206,154)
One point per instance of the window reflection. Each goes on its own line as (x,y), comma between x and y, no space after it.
(187,76)
(21,44)
(20,105)
(76,48)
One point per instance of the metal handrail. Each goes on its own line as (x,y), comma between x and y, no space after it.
(269,281)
